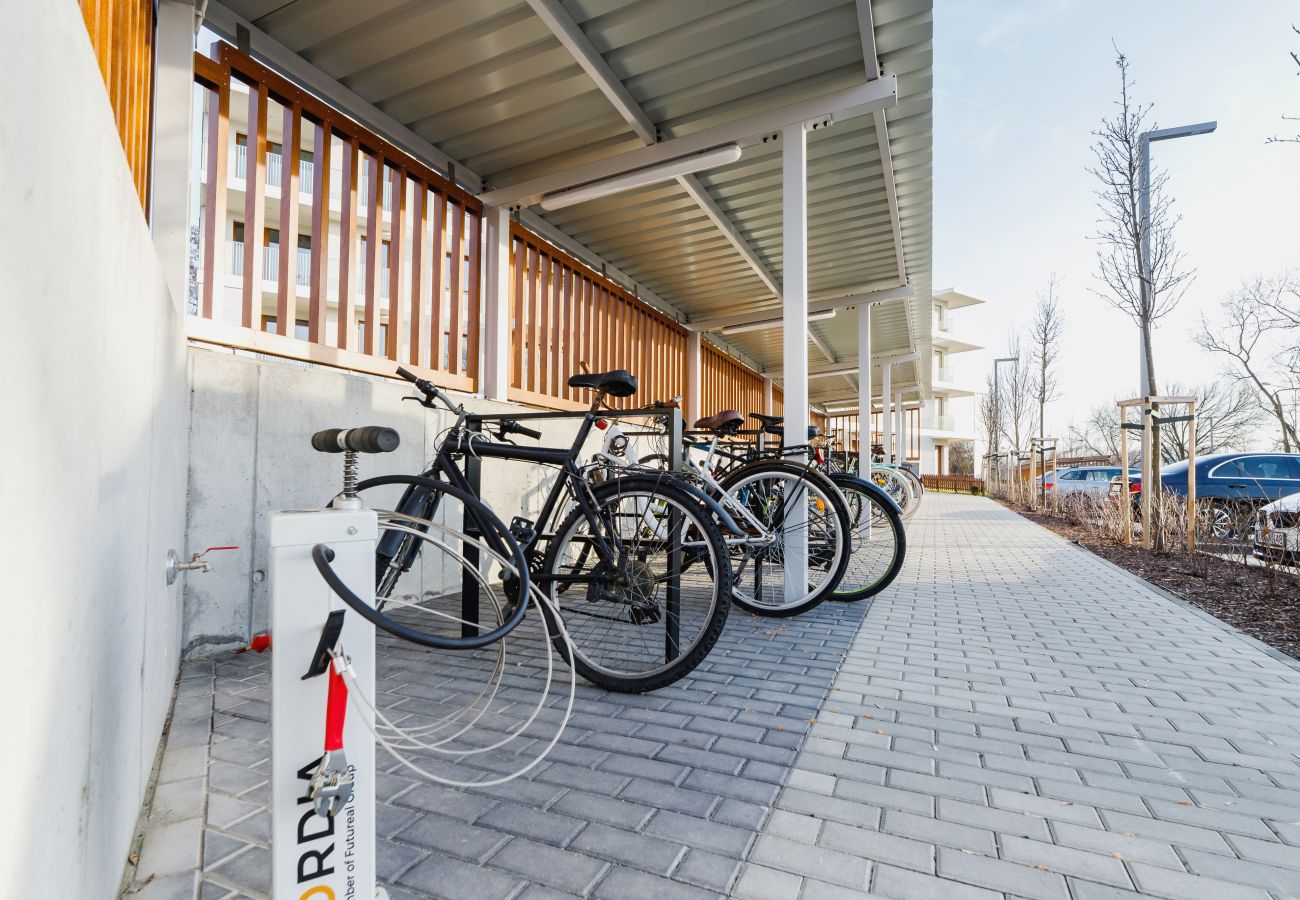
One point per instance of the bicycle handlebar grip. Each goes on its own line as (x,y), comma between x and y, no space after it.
(510,426)
(367,439)
(409,376)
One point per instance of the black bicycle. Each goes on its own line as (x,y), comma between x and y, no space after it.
(636,566)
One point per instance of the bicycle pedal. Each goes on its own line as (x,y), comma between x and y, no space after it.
(522,530)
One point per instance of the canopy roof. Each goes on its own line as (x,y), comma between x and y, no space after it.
(512,90)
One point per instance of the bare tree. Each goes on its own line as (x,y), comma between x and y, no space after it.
(1045,334)
(1098,435)
(989,412)
(1018,395)
(1259,331)
(1227,418)
(1296,138)
(961,457)
(1145,296)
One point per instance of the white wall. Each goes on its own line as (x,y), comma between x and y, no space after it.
(252,420)
(94,447)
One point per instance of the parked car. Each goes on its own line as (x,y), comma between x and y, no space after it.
(1233,485)
(1093,480)
(1277,530)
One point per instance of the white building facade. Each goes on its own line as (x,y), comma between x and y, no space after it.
(948,414)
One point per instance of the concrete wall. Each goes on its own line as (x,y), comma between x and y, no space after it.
(95,413)
(251,422)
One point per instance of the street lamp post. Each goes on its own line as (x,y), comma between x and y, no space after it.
(1144,214)
(997,406)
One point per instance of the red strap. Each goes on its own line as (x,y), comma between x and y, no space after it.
(336,708)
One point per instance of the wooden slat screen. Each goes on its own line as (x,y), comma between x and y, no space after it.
(376,256)
(727,384)
(778,401)
(122,35)
(563,314)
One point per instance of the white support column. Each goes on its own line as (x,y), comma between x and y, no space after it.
(496,303)
(794,197)
(899,454)
(886,409)
(693,397)
(169,196)
(864,389)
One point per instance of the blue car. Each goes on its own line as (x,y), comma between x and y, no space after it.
(1233,484)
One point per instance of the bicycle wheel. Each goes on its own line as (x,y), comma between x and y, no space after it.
(878,542)
(769,491)
(647,613)
(896,487)
(918,486)
(432,592)
(432,509)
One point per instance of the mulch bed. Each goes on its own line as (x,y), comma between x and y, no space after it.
(1262,602)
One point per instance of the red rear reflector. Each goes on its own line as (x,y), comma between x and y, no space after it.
(260,642)
(602,424)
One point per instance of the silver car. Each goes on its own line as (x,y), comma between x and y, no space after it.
(1092,480)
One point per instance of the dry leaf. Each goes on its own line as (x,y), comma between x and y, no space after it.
(1120,856)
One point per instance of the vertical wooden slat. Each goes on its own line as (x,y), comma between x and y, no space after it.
(562,359)
(530,305)
(347,326)
(419,195)
(320,234)
(457,264)
(254,205)
(398,183)
(517,326)
(472,283)
(374,245)
(437,259)
(560,338)
(214,217)
(542,370)
(286,308)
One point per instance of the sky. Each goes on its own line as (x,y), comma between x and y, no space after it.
(1019,87)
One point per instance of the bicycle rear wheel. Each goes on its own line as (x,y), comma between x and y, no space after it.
(878,544)
(788,499)
(645,614)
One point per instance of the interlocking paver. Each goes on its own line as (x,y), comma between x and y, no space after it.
(1066,730)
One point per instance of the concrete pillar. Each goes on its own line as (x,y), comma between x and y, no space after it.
(496,303)
(794,288)
(693,397)
(899,448)
(169,195)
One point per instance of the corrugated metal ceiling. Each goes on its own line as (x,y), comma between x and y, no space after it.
(487,83)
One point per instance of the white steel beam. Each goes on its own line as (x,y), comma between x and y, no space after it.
(887,413)
(871,61)
(773,317)
(794,228)
(846,103)
(693,396)
(864,393)
(496,303)
(820,343)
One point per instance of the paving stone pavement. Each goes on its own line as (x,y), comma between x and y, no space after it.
(659,795)
(1014,718)
(1018,718)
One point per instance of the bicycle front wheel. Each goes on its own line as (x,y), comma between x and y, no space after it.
(878,542)
(642,585)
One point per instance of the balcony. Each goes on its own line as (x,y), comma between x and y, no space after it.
(271,263)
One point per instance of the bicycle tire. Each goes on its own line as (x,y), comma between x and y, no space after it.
(497,538)
(575,609)
(841,517)
(851,588)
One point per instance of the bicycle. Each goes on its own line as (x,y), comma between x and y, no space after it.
(643,606)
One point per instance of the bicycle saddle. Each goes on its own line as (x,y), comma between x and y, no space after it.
(767,421)
(618,383)
(727,420)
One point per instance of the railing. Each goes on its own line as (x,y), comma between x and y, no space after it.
(945,373)
(728,384)
(271,263)
(121,34)
(937,422)
(564,314)
(275,170)
(958,484)
(428,319)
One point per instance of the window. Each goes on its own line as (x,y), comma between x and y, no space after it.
(1100,474)
(1269,467)
(301,327)
(1072,475)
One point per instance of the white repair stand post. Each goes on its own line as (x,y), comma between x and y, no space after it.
(315,857)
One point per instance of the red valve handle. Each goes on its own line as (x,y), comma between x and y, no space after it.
(233,547)
(336,707)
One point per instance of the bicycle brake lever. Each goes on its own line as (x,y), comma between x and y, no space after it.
(423,401)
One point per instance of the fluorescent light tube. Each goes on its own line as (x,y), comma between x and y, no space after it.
(641,177)
(774,322)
